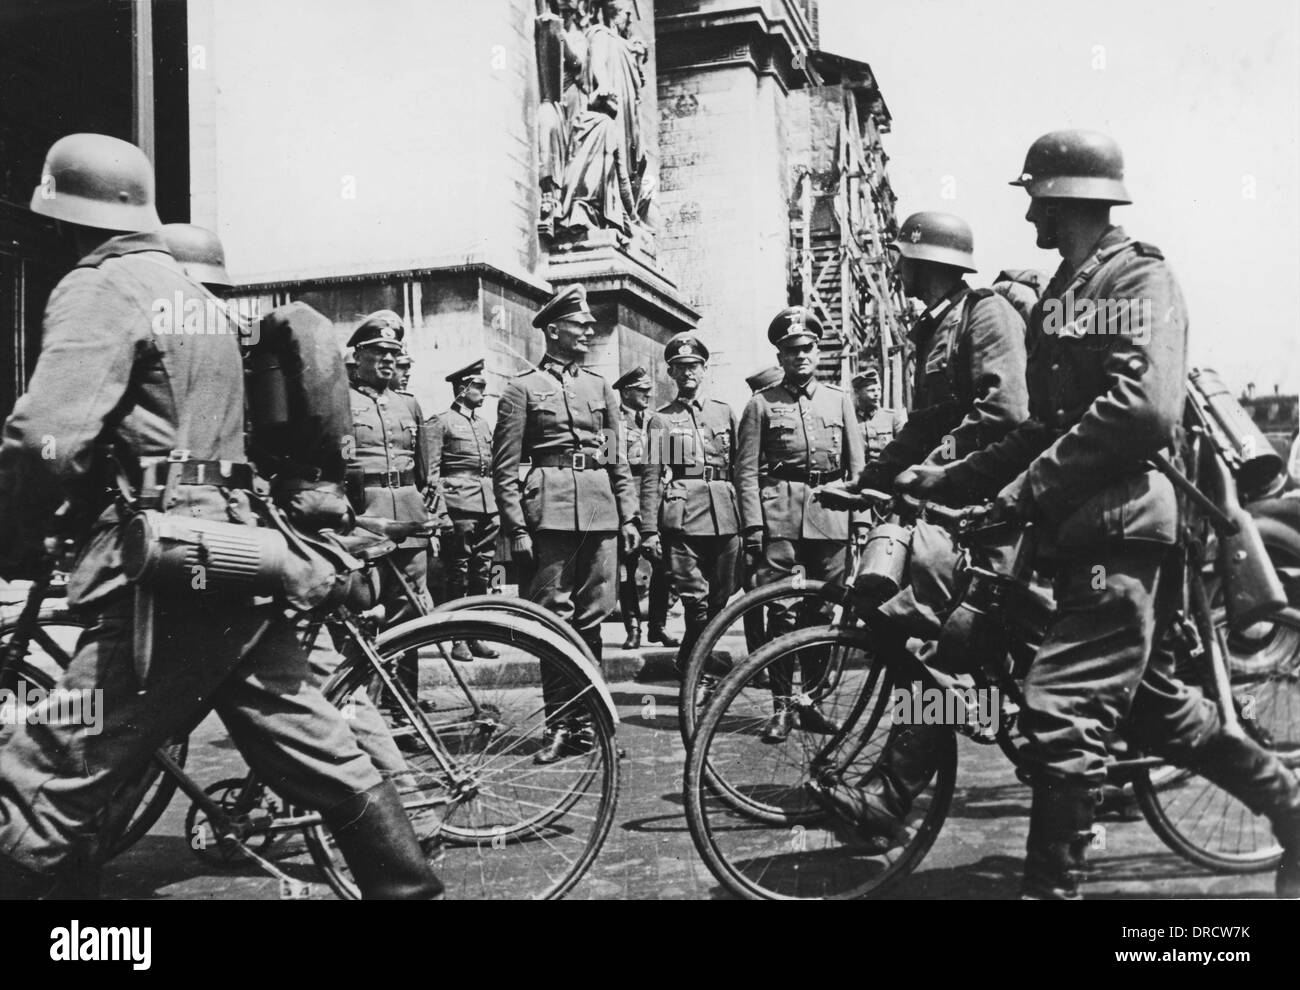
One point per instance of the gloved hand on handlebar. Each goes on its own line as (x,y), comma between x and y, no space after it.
(838,497)
(924,481)
(754,546)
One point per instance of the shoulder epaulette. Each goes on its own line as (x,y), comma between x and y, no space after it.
(1148,250)
(719,402)
(768,388)
(590,372)
(838,388)
(982,293)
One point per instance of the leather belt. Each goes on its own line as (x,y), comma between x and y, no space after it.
(580,461)
(478,472)
(154,474)
(788,472)
(709,473)
(388,479)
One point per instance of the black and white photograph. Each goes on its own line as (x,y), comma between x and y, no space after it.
(650,450)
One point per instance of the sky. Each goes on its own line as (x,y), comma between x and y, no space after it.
(1203,98)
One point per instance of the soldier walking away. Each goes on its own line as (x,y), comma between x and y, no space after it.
(169,406)
(634,388)
(794,436)
(568,514)
(879,424)
(387,473)
(460,481)
(689,515)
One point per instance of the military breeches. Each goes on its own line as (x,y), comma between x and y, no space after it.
(816,560)
(703,571)
(1106,659)
(467,554)
(929,595)
(414,565)
(573,576)
(362,716)
(58,781)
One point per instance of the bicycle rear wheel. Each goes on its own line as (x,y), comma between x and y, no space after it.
(49,651)
(729,639)
(794,850)
(494,823)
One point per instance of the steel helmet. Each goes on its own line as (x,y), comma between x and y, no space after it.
(97,181)
(199,252)
(1074,165)
(938,237)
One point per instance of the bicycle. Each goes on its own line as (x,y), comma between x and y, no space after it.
(820,856)
(492,820)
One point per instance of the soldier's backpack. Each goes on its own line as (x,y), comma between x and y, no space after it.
(300,420)
(1022,287)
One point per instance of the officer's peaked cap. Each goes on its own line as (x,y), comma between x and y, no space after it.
(381,329)
(792,323)
(685,347)
(570,303)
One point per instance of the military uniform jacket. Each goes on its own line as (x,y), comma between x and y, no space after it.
(460,461)
(687,486)
(559,411)
(107,376)
(968,386)
(789,431)
(389,440)
(634,437)
(1107,384)
(880,428)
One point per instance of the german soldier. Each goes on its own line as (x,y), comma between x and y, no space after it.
(969,391)
(879,424)
(794,436)
(403,377)
(460,478)
(687,498)
(170,405)
(388,472)
(566,516)
(634,388)
(1103,399)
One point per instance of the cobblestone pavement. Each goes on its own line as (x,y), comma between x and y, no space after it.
(649,854)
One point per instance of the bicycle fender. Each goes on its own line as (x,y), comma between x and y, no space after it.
(513,623)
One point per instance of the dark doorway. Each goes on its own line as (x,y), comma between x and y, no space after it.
(68,66)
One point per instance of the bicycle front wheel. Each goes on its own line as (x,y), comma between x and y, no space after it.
(795,850)
(495,822)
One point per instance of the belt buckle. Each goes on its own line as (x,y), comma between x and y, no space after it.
(580,462)
(815,477)
(394,479)
(178,456)
(707,474)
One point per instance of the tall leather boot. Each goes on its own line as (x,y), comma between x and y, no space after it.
(1060,831)
(380,847)
(881,801)
(658,606)
(568,732)
(1257,778)
(697,617)
(633,627)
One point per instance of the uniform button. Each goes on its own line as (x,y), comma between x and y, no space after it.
(1056,367)
(1060,413)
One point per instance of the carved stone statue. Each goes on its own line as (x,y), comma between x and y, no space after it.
(605,184)
(561,54)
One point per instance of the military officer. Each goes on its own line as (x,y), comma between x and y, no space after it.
(460,479)
(879,425)
(567,515)
(689,514)
(403,378)
(794,436)
(387,472)
(170,405)
(635,388)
